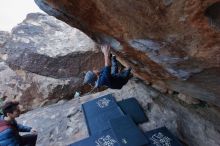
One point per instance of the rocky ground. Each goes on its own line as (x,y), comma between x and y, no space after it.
(63,123)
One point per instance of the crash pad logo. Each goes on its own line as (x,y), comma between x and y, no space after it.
(102,103)
(160,140)
(124,141)
(105,141)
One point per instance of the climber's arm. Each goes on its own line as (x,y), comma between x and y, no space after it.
(106,51)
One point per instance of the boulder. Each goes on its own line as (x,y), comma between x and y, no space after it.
(43,45)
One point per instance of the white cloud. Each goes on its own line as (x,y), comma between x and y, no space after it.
(13,12)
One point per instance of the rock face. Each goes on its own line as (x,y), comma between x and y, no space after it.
(43,59)
(195,125)
(4,37)
(173,42)
(33,90)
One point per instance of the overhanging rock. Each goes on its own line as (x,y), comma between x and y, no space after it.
(161,40)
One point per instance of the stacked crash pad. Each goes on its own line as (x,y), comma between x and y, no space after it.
(114,124)
(98,113)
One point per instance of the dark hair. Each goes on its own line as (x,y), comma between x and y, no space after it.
(9,107)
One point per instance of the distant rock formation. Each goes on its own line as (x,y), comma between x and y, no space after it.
(44,45)
(43,60)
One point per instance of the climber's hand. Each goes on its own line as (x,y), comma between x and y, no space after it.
(106,50)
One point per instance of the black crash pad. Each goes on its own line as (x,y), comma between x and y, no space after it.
(162,137)
(106,138)
(99,105)
(127,133)
(132,108)
(98,112)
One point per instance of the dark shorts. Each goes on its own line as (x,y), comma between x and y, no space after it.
(29,140)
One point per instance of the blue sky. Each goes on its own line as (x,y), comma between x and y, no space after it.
(13,12)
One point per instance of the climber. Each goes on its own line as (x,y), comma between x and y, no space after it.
(109,75)
(9,128)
